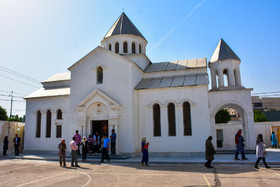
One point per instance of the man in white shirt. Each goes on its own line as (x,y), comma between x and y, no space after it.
(74,148)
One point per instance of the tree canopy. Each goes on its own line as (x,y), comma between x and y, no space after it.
(222,116)
(3,114)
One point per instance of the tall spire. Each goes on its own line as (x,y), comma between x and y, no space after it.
(223,52)
(123,25)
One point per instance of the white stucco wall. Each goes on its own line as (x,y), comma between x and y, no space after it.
(196,96)
(120,77)
(44,104)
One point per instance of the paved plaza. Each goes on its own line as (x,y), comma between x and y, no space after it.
(24,172)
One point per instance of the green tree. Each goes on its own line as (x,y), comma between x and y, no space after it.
(3,114)
(259,116)
(17,118)
(222,116)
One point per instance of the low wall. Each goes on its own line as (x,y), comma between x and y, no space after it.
(264,128)
(10,129)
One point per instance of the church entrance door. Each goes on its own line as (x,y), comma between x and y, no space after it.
(100,126)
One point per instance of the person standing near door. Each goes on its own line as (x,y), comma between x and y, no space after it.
(78,140)
(74,148)
(17,144)
(105,148)
(113,142)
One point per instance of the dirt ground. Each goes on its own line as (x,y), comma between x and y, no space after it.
(19,172)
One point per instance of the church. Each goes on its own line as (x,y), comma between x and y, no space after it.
(116,86)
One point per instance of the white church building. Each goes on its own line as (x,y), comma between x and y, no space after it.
(116,86)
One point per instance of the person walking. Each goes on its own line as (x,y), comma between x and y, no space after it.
(84,144)
(62,152)
(74,148)
(78,141)
(209,152)
(105,148)
(113,142)
(239,141)
(260,151)
(5,145)
(16,144)
(274,142)
(144,150)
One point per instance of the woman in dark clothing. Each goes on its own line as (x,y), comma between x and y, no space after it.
(5,146)
(84,143)
(260,151)
(62,152)
(144,150)
(209,152)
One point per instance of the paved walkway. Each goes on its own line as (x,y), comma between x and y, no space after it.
(273,158)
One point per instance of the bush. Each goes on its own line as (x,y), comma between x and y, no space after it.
(259,116)
(222,116)
(3,114)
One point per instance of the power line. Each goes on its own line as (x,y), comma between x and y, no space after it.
(19,75)
(19,81)
(10,100)
(267,92)
(9,96)
(14,92)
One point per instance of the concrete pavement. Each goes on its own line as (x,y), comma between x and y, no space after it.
(273,158)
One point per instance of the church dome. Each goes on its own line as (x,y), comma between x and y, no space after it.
(124,38)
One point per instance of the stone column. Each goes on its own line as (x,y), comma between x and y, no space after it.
(53,125)
(221,79)
(213,78)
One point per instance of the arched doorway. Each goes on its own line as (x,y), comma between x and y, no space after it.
(224,133)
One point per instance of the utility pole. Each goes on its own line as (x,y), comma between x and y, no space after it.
(11,104)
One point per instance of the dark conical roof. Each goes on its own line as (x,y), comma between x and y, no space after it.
(123,25)
(223,52)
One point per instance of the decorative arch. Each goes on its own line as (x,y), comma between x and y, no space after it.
(226,77)
(133,48)
(48,123)
(125,47)
(117,47)
(156,118)
(171,119)
(59,114)
(38,123)
(99,75)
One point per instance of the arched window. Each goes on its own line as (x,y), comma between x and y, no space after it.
(187,119)
(110,47)
(124,47)
(226,78)
(171,120)
(59,114)
(99,75)
(140,50)
(48,124)
(117,47)
(38,126)
(133,47)
(156,115)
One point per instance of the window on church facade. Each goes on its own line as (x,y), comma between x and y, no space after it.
(156,115)
(187,119)
(226,78)
(133,47)
(124,47)
(140,50)
(58,131)
(171,120)
(99,74)
(117,47)
(110,47)
(48,124)
(38,125)
(59,114)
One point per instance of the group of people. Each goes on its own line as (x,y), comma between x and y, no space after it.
(89,145)
(16,142)
(239,141)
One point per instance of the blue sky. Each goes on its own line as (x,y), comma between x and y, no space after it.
(41,38)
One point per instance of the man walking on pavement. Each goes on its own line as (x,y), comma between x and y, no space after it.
(74,148)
